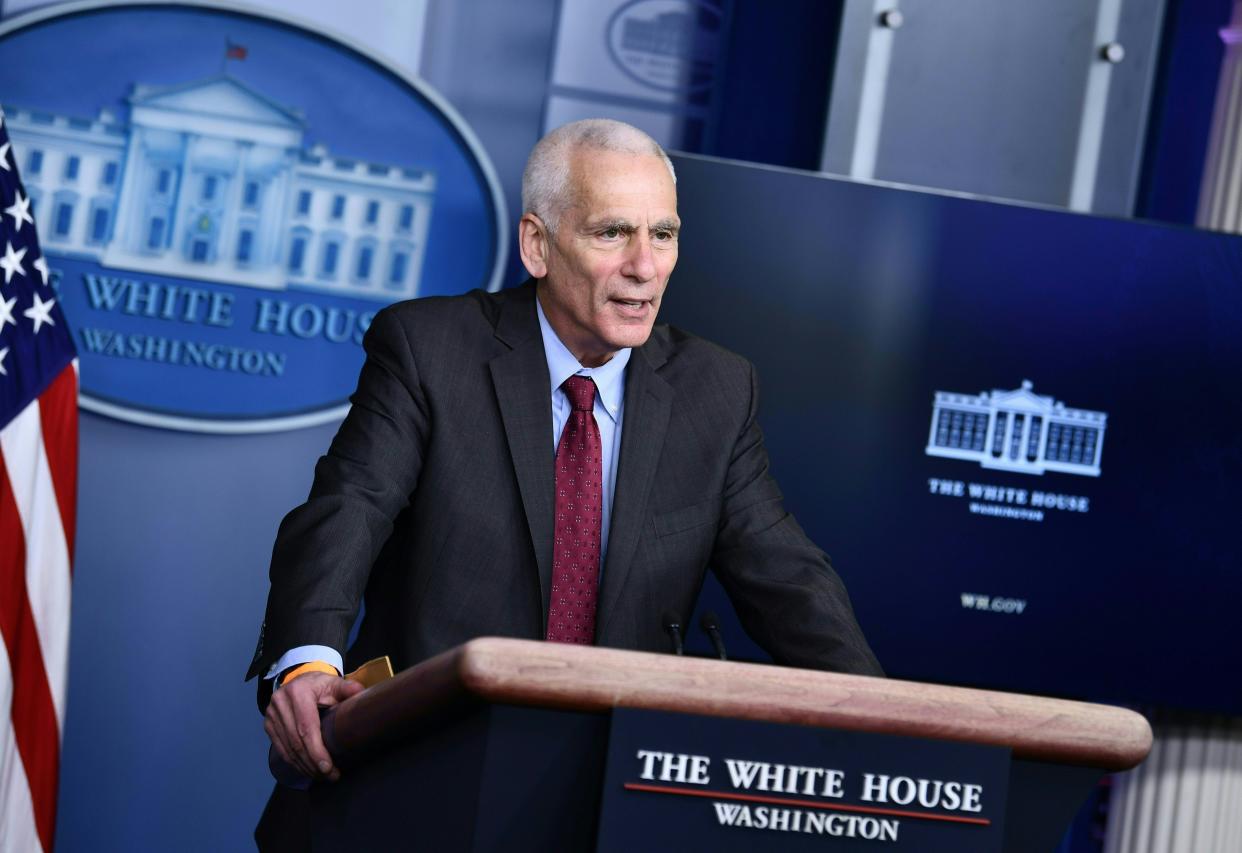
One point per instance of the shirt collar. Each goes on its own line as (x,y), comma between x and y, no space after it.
(608,377)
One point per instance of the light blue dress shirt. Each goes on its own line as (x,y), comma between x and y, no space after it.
(609,382)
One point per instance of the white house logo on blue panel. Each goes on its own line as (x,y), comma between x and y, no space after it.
(666,44)
(1017,430)
(212,180)
(226,200)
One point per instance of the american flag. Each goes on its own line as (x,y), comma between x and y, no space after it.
(38,496)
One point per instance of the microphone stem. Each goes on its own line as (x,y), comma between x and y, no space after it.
(674,631)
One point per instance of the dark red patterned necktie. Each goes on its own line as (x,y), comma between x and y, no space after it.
(579,519)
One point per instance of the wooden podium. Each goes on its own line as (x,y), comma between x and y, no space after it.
(500,744)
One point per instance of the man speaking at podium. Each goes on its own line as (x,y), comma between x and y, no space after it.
(543,462)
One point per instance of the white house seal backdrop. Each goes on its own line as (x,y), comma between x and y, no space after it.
(226,200)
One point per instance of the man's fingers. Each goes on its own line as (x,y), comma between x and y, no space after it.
(339,690)
(332,692)
(276,732)
(292,721)
(288,721)
(306,717)
(278,742)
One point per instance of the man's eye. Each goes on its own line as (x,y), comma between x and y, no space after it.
(611,233)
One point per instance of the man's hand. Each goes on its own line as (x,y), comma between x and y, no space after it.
(292,721)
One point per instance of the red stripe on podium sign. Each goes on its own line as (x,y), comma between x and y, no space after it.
(805,804)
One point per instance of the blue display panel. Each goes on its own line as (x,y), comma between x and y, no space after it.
(1017,431)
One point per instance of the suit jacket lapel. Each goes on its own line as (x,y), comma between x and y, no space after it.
(648,402)
(520,377)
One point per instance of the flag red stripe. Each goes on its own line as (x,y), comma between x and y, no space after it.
(58,413)
(33,713)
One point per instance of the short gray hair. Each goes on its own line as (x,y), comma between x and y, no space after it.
(545,182)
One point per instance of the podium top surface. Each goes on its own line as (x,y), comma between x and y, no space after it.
(584,678)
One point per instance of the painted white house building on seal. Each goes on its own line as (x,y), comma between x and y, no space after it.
(212,180)
(1017,430)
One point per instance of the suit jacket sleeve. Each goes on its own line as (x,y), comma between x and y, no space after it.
(325,548)
(785,591)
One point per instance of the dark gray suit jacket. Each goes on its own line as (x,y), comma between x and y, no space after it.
(435,501)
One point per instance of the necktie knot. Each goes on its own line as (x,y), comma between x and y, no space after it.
(581,393)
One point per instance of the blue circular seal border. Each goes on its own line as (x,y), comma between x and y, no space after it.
(239,426)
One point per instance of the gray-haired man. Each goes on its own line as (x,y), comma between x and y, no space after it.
(544,462)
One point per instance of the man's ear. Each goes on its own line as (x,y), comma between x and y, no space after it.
(533,245)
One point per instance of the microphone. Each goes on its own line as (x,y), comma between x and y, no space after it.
(711,627)
(672,624)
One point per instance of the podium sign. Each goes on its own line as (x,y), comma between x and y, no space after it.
(679,782)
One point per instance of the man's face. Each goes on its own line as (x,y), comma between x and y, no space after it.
(614,250)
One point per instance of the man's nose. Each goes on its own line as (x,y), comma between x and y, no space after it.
(640,260)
